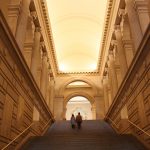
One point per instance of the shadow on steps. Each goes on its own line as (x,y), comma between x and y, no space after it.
(96,135)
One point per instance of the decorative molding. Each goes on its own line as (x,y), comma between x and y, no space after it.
(131,79)
(14,50)
(53,52)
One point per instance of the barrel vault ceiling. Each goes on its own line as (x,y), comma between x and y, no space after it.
(77,29)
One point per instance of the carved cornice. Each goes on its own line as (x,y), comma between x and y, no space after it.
(53,52)
(106,26)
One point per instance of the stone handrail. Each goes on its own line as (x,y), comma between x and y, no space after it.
(139,128)
(17,136)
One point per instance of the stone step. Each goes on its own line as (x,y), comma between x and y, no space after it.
(94,135)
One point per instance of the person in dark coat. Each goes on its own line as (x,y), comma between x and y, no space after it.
(79,120)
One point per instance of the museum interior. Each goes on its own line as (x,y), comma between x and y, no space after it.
(62,57)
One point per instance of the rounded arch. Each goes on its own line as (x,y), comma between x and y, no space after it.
(63,86)
(67,98)
(87,96)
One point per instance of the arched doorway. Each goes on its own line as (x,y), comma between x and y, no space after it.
(79,104)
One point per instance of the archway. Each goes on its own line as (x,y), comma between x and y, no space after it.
(78,79)
(79,104)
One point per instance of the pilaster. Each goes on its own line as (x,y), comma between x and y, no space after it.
(22,23)
(44,74)
(105,91)
(141,6)
(121,51)
(14,10)
(36,52)
(113,73)
(134,23)
(52,93)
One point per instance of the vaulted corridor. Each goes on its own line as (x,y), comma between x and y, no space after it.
(94,135)
(62,57)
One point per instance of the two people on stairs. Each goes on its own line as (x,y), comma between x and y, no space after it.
(77,120)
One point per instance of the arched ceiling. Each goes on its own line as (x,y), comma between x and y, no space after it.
(77,28)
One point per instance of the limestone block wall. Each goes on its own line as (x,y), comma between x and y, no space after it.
(134,94)
(125,74)
(93,93)
(21,102)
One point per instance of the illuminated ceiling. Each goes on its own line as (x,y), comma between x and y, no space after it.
(77,28)
(78,99)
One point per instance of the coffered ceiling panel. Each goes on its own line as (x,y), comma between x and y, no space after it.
(77,28)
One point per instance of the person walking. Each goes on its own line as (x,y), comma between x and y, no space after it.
(79,120)
(73,121)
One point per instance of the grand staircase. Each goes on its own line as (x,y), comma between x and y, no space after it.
(94,135)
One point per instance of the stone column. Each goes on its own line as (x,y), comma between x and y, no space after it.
(35,52)
(14,10)
(59,108)
(39,71)
(109,95)
(126,36)
(48,92)
(113,73)
(52,93)
(134,23)
(44,74)
(121,51)
(4,7)
(28,53)
(141,6)
(105,91)
(110,82)
(48,85)
(128,47)
(22,24)
(29,41)
(99,107)
(93,109)
(118,73)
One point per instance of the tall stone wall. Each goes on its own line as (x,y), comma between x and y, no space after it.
(134,94)
(126,74)
(19,94)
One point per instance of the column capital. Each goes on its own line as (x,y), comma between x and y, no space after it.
(111,55)
(117,28)
(141,6)
(14,9)
(105,72)
(42,46)
(38,29)
(33,15)
(105,79)
(106,68)
(123,15)
(121,12)
(127,42)
(113,43)
(44,54)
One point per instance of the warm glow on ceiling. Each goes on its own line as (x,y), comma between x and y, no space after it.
(78,99)
(78,84)
(77,27)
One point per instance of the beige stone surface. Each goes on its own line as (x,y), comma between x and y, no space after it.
(32,90)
